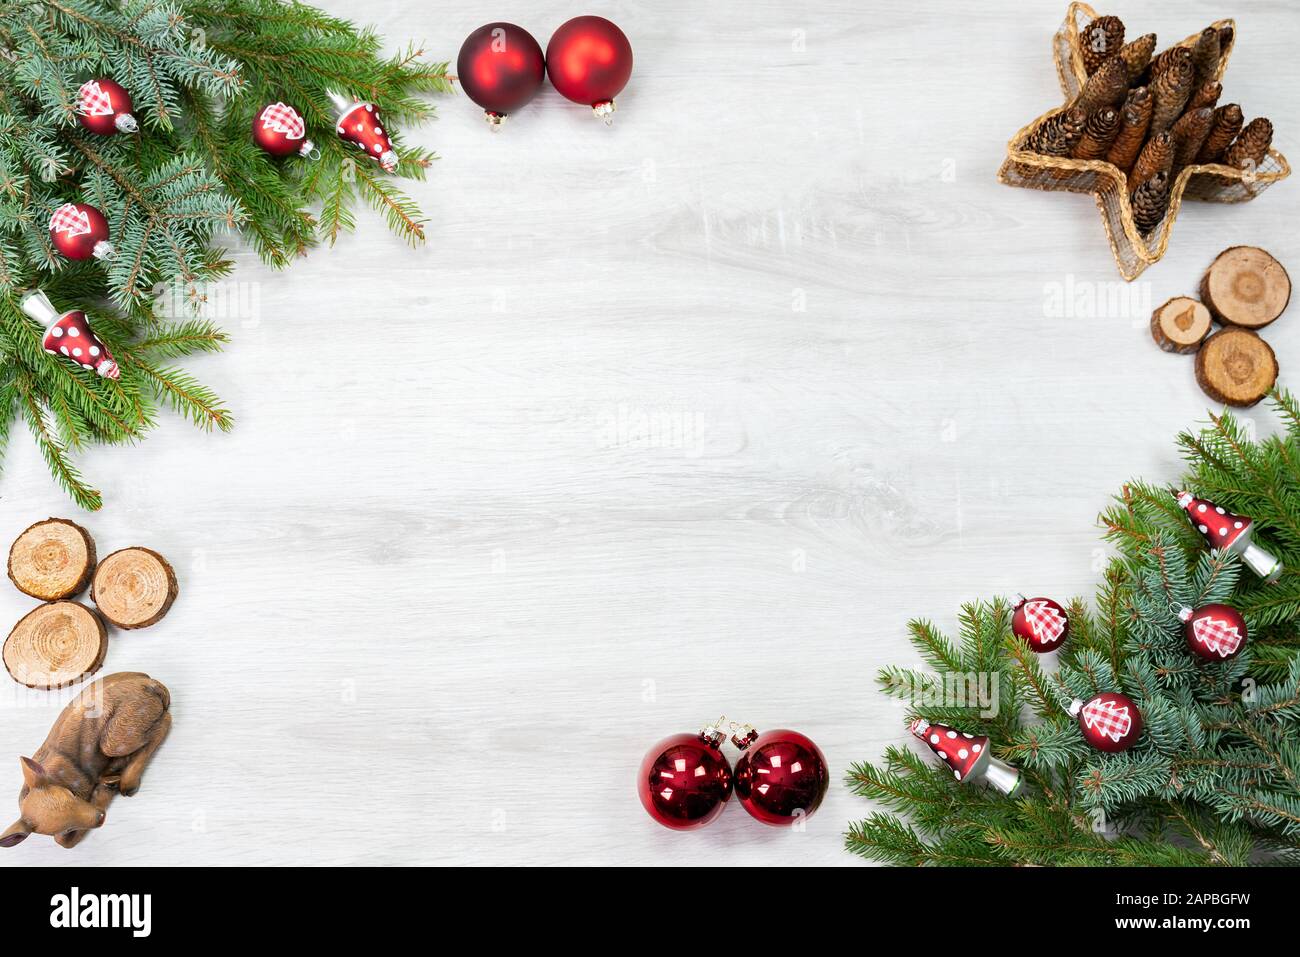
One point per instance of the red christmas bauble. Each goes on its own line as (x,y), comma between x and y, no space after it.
(589,60)
(360,124)
(684,782)
(1214,632)
(279,129)
(1109,721)
(80,231)
(1041,622)
(103,107)
(501,68)
(780,776)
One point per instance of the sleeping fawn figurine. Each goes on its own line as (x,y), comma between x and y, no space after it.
(98,747)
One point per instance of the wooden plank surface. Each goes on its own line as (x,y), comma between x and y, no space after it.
(682,417)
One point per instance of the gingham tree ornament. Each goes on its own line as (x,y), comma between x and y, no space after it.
(360,125)
(967,756)
(1222,529)
(1109,721)
(1041,622)
(1214,632)
(103,107)
(80,231)
(279,129)
(69,335)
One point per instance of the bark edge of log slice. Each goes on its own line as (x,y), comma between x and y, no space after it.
(1246,286)
(1236,367)
(133,587)
(1180,325)
(55,645)
(52,559)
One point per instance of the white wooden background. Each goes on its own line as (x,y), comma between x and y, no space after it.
(687,416)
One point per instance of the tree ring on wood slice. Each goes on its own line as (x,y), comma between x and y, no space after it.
(1180,325)
(55,645)
(1236,367)
(133,587)
(52,559)
(1245,286)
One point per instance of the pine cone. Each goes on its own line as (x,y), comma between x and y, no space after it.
(1207,94)
(1058,134)
(1098,134)
(1189,135)
(1137,55)
(1156,157)
(1223,130)
(1171,90)
(1099,41)
(1205,56)
(1104,88)
(1150,200)
(1134,121)
(1252,145)
(1168,58)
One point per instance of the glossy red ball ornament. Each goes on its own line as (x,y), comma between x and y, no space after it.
(1109,721)
(589,60)
(279,129)
(80,231)
(1214,632)
(501,68)
(781,775)
(103,107)
(1041,622)
(685,780)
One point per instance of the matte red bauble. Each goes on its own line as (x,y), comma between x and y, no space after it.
(685,780)
(589,60)
(1109,721)
(80,231)
(501,68)
(1041,622)
(1214,632)
(103,107)
(780,776)
(279,130)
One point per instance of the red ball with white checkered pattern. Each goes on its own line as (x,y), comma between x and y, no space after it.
(1041,622)
(360,125)
(279,129)
(1109,721)
(69,335)
(80,231)
(1214,632)
(103,107)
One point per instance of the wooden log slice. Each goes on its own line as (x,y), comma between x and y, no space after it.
(1236,367)
(134,587)
(55,645)
(1245,286)
(52,559)
(1180,325)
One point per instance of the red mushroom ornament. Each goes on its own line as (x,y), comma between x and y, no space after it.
(1041,622)
(69,335)
(360,125)
(80,231)
(967,755)
(103,107)
(279,130)
(1234,533)
(1214,632)
(1110,721)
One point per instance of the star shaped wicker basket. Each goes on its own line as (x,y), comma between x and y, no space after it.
(1213,182)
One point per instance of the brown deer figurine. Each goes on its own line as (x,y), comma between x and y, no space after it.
(99,746)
